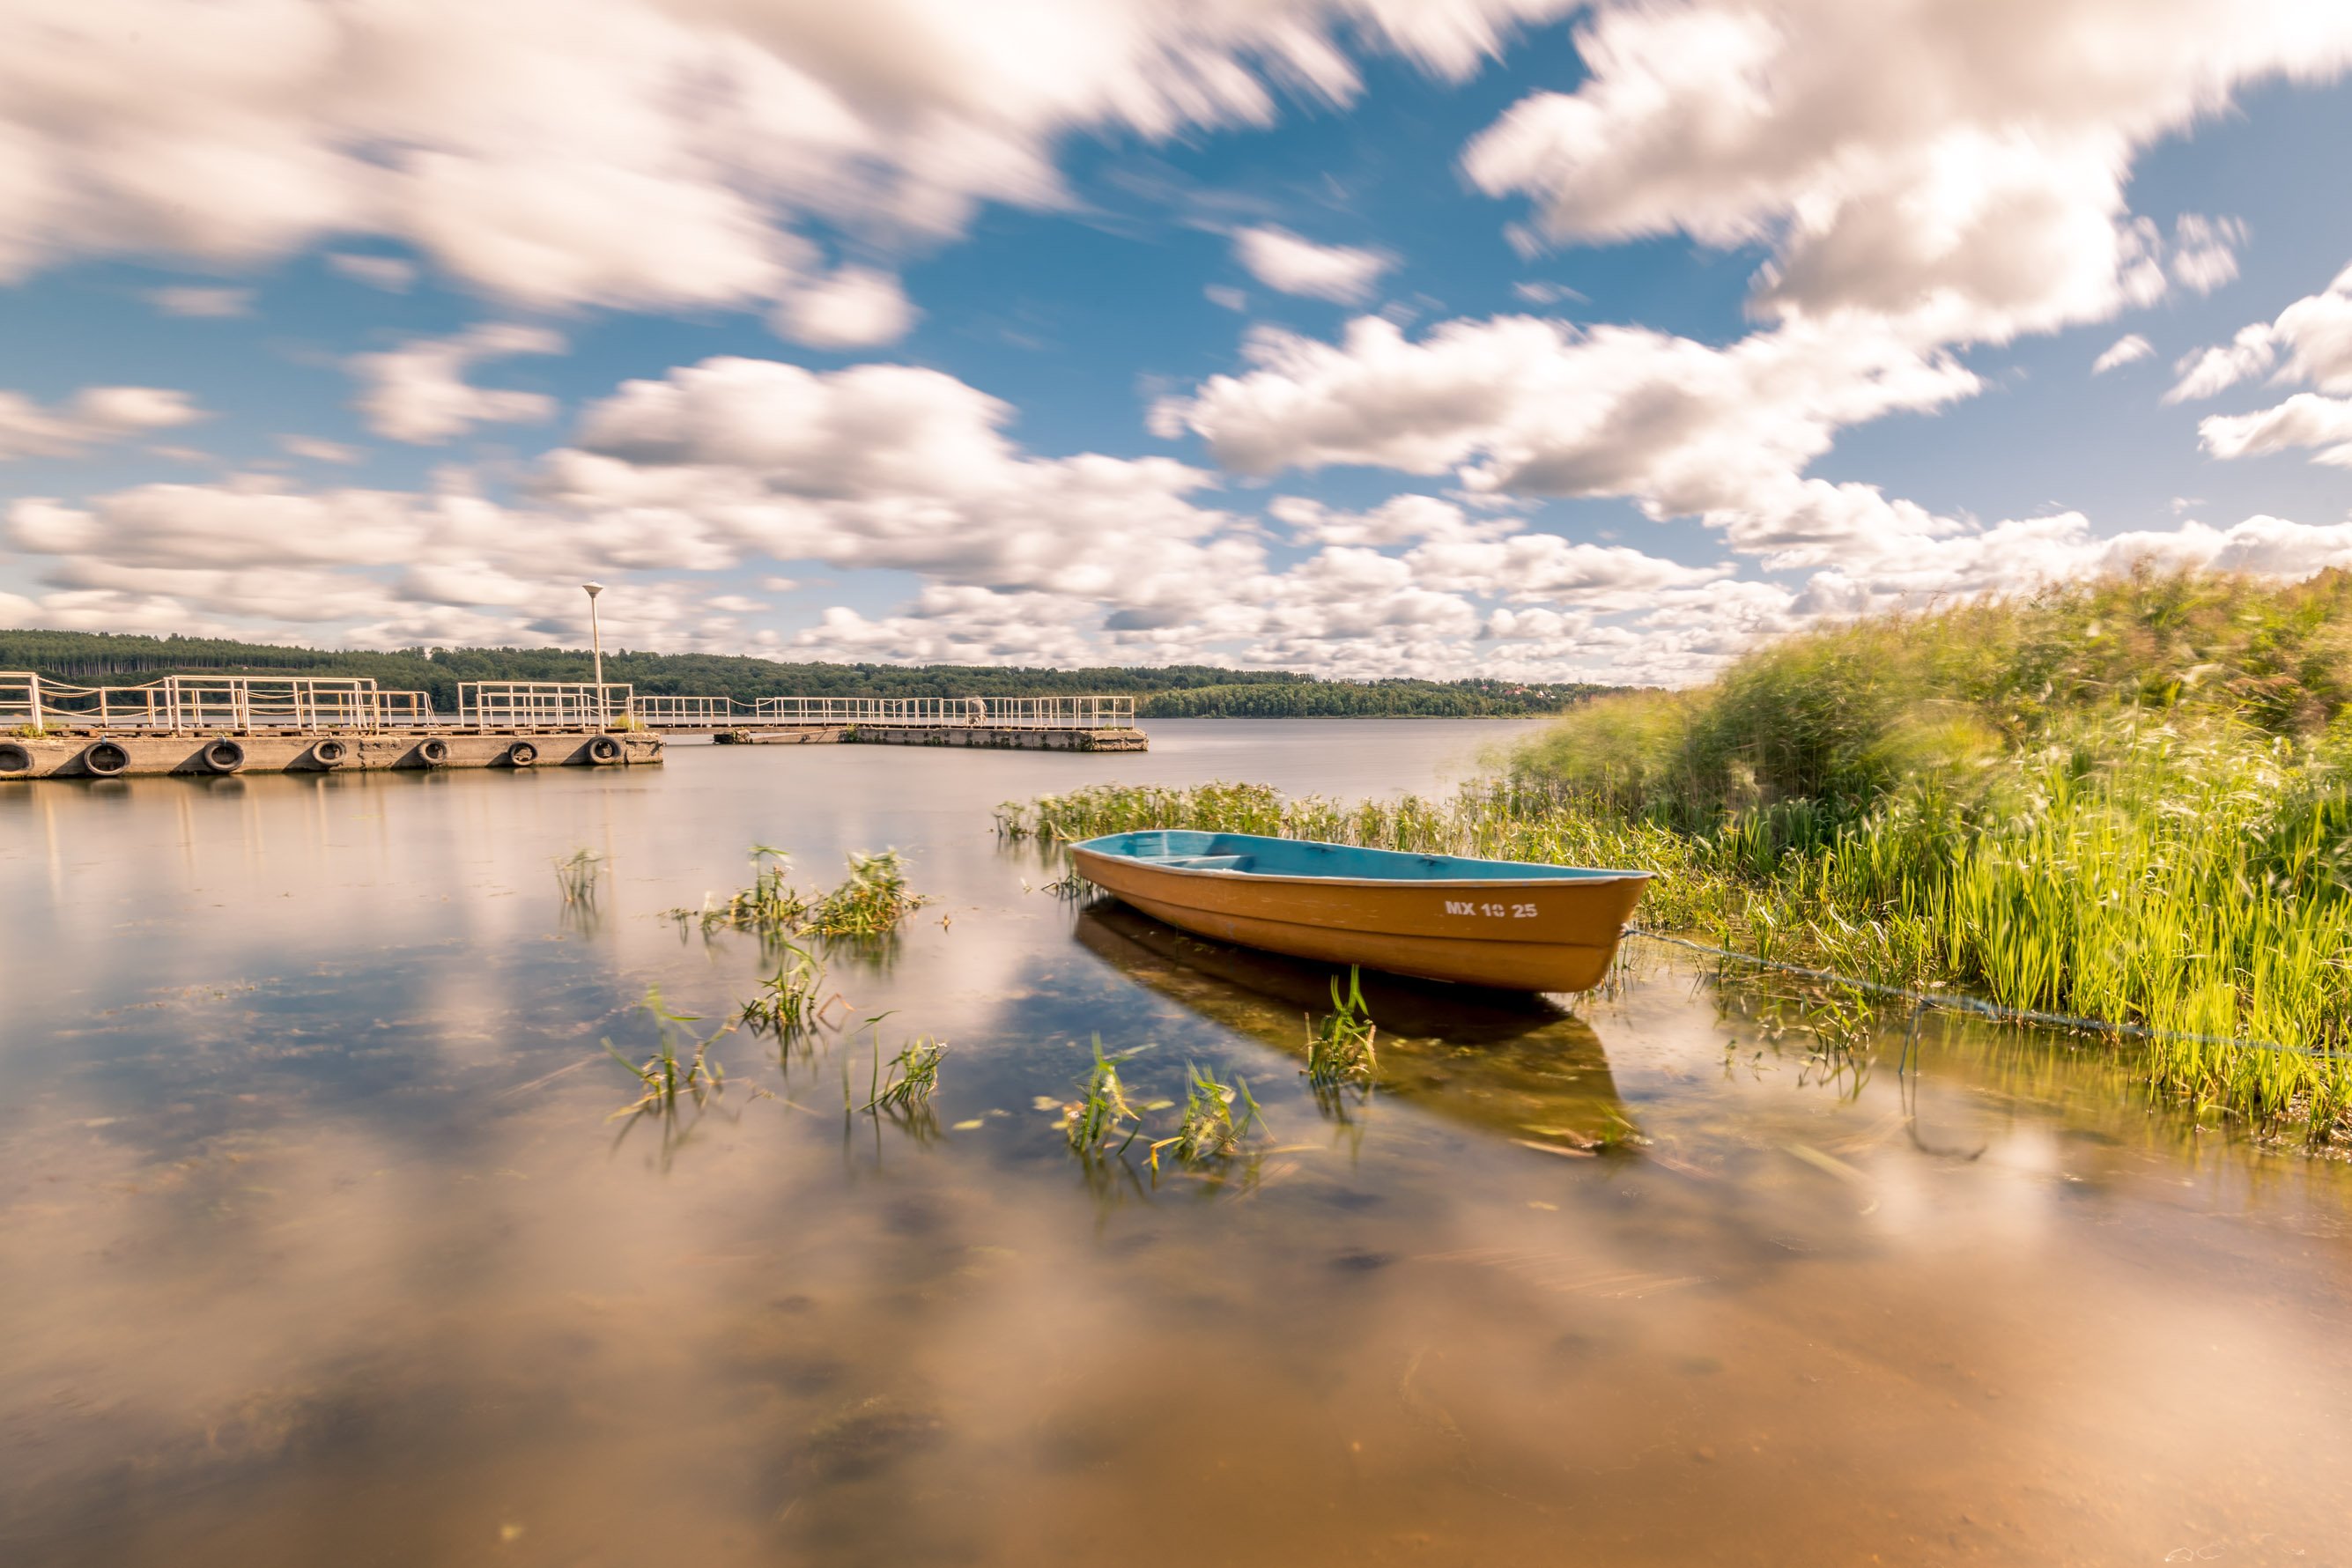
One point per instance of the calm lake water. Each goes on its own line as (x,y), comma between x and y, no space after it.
(321,1247)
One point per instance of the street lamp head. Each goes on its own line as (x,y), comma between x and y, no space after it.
(594,588)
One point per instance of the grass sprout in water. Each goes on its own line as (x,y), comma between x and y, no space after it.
(769,905)
(578,875)
(1340,1049)
(788,999)
(872,902)
(914,1074)
(1217,1117)
(1102,1110)
(670,1071)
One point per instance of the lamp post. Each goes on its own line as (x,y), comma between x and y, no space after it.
(596,642)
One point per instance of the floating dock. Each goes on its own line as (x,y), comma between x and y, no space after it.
(234,724)
(131,755)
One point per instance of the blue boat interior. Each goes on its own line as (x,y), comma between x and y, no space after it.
(1189,849)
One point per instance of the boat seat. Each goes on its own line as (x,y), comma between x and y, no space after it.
(1209,862)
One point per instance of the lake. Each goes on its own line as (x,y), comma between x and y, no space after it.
(323,1243)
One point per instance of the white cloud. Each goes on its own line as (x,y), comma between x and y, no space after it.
(1283,262)
(2306,420)
(2310,340)
(2205,253)
(2129,349)
(320,451)
(1225,298)
(2211,370)
(1541,293)
(417,391)
(1400,519)
(94,416)
(1954,166)
(1539,407)
(389,273)
(880,464)
(191,301)
(857,307)
(630,152)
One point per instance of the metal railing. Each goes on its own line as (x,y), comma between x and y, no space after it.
(20,700)
(316,703)
(953,713)
(308,704)
(544,705)
(684,713)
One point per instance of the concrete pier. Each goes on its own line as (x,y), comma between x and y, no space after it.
(123,755)
(1007,738)
(1000,737)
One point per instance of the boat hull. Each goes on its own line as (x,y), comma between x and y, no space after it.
(1531,934)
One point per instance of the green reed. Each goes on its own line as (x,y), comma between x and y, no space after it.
(769,905)
(579,875)
(1217,1117)
(788,999)
(1102,1110)
(680,1062)
(872,902)
(1339,1045)
(914,1075)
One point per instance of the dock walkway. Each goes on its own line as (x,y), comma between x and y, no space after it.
(228,724)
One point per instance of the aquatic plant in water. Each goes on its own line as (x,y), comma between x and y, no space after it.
(769,905)
(670,1071)
(1339,1045)
(872,902)
(914,1075)
(1102,1110)
(787,1001)
(578,876)
(1217,1117)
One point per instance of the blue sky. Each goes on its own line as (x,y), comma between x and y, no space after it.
(1445,337)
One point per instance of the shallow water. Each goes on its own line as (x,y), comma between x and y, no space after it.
(319,1245)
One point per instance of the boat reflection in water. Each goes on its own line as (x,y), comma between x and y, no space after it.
(1510,1062)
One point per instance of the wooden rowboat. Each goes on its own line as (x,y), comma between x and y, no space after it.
(1510,924)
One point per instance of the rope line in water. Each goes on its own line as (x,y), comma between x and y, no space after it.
(1982,1008)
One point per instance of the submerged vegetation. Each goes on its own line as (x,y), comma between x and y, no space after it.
(2126,803)
(578,876)
(914,1074)
(873,901)
(1217,1117)
(788,1001)
(1339,1046)
(1101,1112)
(670,1071)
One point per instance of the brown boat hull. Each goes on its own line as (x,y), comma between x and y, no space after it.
(1530,935)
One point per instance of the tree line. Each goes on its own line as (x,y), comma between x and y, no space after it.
(1166,691)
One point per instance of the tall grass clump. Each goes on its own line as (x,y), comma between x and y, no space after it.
(680,1063)
(1217,1118)
(767,906)
(872,902)
(2126,801)
(789,1000)
(1102,1110)
(1339,1045)
(578,876)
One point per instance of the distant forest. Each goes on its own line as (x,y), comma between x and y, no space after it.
(1162,691)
